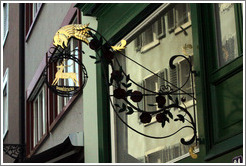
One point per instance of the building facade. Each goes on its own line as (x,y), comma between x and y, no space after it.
(13,81)
(212,35)
(99,126)
(53,123)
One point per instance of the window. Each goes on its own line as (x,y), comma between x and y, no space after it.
(5,21)
(133,147)
(5,92)
(161,27)
(35,9)
(171,20)
(39,116)
(69,66)
(224,80)
(60,104)
(226,38)
(179,18)
(148,39)
(150,83)
(45,109)
(181,14)
(32,10)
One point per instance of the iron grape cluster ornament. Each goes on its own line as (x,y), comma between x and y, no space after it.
(67,83)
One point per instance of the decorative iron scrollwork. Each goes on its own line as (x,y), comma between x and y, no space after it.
(15,151)
(105,54)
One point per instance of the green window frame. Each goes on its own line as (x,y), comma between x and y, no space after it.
(220,88)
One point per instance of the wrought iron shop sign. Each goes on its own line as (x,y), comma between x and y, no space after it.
(63,72)
(63,59)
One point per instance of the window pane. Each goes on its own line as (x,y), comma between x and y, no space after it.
(161,29)
(148,35)
(131,146)
(152,84)
(226,30)
(171,20)
(40,115)
(44,110)
(35,123)
(182,13)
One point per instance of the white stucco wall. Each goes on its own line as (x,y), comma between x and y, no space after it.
(90,101)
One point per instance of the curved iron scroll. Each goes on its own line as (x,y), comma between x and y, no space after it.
(105,54)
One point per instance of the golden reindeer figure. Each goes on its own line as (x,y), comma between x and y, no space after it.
(61,75)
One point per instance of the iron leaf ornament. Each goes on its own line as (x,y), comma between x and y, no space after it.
(105,54)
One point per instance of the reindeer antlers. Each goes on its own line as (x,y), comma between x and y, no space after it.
(66,65)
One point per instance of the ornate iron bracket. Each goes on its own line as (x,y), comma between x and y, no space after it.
(15,151)
(131,98)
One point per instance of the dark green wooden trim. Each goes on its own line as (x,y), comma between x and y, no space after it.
(239,27)
(103,114)
(202,47)
(114,26)
(86,8)
(93,9)
(226,71)
(225,147)
(212,73)
(201,79)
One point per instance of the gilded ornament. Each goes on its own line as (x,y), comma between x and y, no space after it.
(120,47)
(77,31)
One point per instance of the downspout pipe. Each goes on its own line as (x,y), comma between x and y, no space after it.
(22,79)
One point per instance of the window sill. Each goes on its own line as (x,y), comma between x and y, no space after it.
(65,109)
(177,159)
(196,151)
(184,26)
(40,142)
(149,46)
